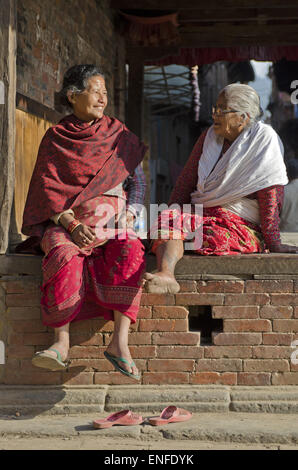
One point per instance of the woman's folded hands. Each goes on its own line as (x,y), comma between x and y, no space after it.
(83,235)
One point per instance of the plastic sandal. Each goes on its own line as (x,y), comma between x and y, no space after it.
(47,361)
(121,418)
(171,414)
(114,360)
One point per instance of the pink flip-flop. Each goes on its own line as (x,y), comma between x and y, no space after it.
(171,414)
(122,418)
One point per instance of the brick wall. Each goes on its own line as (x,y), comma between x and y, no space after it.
(52,36)
(259,323)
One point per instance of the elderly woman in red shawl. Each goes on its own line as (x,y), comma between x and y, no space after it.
(86,162)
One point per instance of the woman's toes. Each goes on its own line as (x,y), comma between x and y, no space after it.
(151,288)
(162,286)
(116,353)
(148,276)
(135,370)
(125,366)
(62,350)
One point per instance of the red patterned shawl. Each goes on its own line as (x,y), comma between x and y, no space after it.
(76,162)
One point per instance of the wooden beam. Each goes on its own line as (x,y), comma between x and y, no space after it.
(37,109)
(134,119)
(222,36)
(241,30)
(197,41)
(200,4)
(242,14)
(149,53)
(226,40)
(8,31)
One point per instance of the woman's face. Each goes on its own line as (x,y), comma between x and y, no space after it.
(91,103)
(227,125)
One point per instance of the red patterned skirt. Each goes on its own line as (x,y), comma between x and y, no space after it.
(222,232)
(91,286)
(79,284)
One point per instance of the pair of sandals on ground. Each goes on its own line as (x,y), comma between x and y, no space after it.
(47,361)
(170,414)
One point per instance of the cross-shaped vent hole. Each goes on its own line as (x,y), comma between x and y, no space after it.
(200,319)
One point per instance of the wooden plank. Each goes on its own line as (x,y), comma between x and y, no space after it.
(32,121)
(134,118)
(174,5)
(37,109)
(196,41)
(242,30)
(8,28)
(217,39)
(224,35)
(150,53)
(243,14)
(30,131)
(221,40)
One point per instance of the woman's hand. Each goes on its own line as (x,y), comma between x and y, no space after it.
(83,235)
(130,219)
(125,220)
(282,248)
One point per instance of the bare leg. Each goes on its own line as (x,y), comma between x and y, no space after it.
(61,342)
(119,343)
(162,282)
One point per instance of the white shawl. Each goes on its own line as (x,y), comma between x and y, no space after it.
(253,162)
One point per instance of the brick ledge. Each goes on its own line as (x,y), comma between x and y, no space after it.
(255,264)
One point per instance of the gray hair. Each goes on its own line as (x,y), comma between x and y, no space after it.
(244,99)
(76,80)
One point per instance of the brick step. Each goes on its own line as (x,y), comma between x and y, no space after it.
(228,331)
(75,400)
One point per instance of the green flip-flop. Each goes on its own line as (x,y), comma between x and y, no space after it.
(114,360)
(47,361)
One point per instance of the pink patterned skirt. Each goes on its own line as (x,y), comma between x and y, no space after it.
(79,284)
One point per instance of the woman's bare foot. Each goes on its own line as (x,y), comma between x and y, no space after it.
(161,283)
(122,351)
(61,347)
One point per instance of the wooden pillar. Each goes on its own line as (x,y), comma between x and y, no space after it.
(134,111)
(8,32)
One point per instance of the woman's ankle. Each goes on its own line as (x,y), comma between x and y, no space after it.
(165,273)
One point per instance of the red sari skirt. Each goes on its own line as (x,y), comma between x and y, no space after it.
(222,232)
(79,284)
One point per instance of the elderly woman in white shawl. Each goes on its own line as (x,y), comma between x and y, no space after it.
(229,195)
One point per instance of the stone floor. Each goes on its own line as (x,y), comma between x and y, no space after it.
(202,431)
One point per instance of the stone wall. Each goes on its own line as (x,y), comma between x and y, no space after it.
(52,36)
(250,344)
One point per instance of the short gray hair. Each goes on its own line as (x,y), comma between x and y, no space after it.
(76,80)
(244,99)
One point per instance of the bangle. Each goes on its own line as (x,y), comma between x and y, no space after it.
(72,226)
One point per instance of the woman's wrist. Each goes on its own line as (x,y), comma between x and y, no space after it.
(65,220)
(56,218)
(72,226)
(69,223)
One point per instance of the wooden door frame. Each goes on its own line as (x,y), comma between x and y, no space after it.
(8,48)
